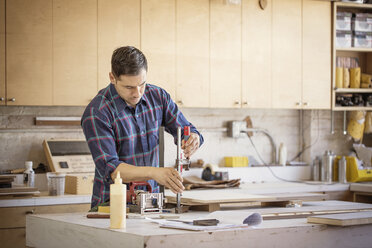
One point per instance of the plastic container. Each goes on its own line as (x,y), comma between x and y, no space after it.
(29,175)
(362,39)
(118,204)
(343,21)
(236,161)
(362,22)
(282,154)
(56,183)
(343,39)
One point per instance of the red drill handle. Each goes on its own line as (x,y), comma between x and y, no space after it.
(131,195)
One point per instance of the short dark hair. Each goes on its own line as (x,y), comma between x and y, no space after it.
(127,60)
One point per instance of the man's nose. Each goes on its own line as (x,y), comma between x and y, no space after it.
(137,91)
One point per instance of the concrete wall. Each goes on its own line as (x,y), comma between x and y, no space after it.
(21,140)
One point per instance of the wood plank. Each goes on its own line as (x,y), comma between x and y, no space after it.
(348,219)
(115,29)
(74,51)
(13,237)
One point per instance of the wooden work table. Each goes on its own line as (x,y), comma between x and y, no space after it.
(75,230)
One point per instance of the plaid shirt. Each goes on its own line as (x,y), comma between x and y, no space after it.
(117,132)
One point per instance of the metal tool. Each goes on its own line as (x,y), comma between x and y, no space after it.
(180,162)
(140,201)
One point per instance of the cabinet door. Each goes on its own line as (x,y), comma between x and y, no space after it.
(158,36)
(286,54)
(192,53)
(2,52)
(74,51)
(316,89)
(29,52)
(118,25)
(225,54)
(256,55)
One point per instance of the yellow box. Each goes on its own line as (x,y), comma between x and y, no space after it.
(353,174)
(79,184)
(236,161)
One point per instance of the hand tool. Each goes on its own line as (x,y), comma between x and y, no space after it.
(205,222)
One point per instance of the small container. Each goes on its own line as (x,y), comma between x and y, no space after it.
(343,39)
(282,154)
(362,39)
(316,169)
(118,204)
(343,21)
(29,175)
(327,166)
(342,170)
(56,183)
(362,22)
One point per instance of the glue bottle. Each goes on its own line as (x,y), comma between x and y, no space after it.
(29,175)
(118,204)
(282,154)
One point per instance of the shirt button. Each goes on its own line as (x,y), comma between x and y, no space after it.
(142,132)
(137,116)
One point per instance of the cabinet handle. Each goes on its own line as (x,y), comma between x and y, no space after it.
(180,102)
(245,103)
(12,99)
(30,211)
(2,99)
(298,103)
(237,102)
(306,103)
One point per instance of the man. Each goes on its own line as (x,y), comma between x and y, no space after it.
(121,125)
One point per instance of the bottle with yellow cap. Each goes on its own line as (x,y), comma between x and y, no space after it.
(118,198)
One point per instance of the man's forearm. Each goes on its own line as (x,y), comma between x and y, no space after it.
(130,173)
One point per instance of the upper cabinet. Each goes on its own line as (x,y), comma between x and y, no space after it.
(256,55)
(118,25)
(225,54)
(316,59)
(192,65)
(2,52)
(158,42)
(74,51)
(29,52)
(286,53)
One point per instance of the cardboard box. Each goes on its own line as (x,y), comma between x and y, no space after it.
(79,184)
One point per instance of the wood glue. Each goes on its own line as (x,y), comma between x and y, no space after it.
(118,198)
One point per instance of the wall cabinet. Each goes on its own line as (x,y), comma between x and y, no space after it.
(2,53)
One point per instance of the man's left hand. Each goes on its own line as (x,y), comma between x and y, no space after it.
(191,145)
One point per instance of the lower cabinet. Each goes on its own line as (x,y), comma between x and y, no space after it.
(13,221)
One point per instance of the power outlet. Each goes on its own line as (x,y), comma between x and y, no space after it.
(235,128)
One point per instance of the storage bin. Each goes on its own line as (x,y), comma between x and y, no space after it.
(343,39)
(362,22)
(236,161)
(343,21)
(362,39)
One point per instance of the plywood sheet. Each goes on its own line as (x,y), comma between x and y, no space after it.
(348,219)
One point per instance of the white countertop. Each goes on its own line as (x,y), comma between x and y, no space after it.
(361,187)
(44,199)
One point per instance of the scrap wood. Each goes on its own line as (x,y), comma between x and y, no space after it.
(194,182)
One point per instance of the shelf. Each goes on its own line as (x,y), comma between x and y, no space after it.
(339,108)
(354,49)
(353,5)
(349,90)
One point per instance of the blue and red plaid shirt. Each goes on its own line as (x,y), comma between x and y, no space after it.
(117,133)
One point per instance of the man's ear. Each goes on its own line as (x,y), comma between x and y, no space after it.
(112,78)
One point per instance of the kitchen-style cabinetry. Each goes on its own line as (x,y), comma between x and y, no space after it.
(29,55)
(158,34)
(225,54)
(363,54)
(192,65)
(2,52)
(13,221)
(115,29)
(74,51)
(316,51)
(256,55)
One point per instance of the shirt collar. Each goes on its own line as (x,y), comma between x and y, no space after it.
(120,102)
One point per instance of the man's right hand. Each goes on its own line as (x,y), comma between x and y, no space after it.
(168,177)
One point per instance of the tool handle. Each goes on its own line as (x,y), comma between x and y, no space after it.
(186,132)
(131,195)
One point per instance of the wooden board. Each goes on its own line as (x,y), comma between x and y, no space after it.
(347,219)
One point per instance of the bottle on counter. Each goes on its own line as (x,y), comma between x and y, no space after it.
(29,175)
(327,166)
(342,170)
(282,154)
(118,204)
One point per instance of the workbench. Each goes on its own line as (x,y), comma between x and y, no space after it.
(75,230)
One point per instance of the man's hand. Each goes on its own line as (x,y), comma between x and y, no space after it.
(168,177)
(191,145)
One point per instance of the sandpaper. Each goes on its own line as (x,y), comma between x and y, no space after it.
(193,182)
